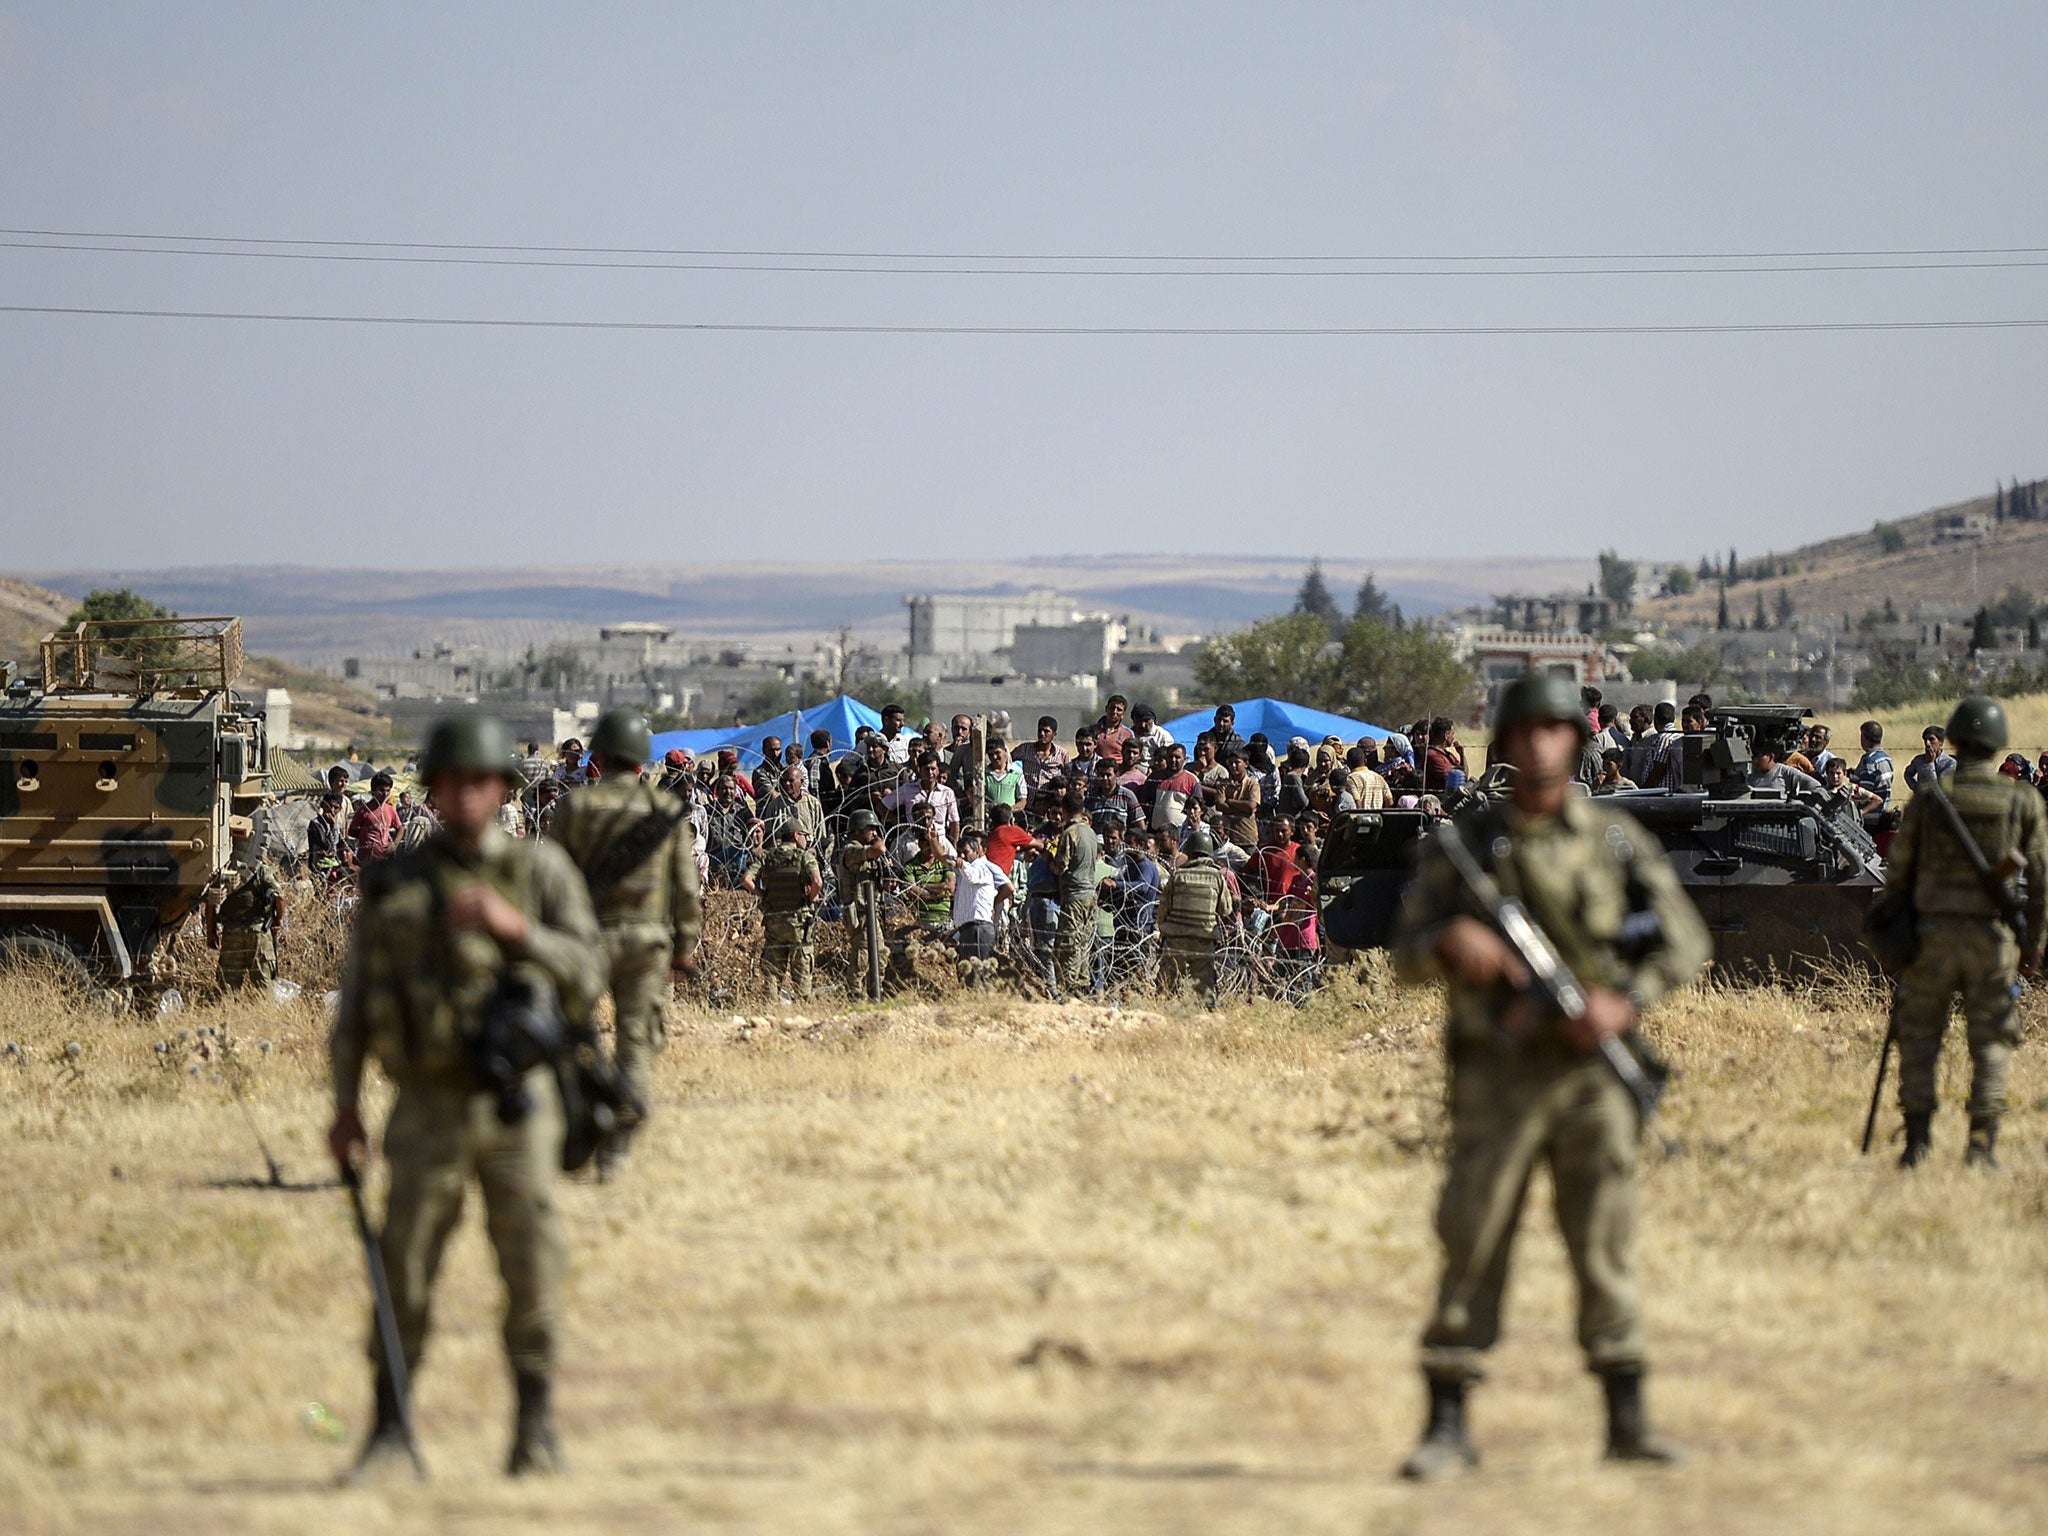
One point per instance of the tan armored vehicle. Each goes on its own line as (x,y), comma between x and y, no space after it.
(119,770)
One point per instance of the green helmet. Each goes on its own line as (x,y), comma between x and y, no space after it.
(1978,725)
(1200,844)
(623,737)
(471,742)
(863,821)
(1540,696)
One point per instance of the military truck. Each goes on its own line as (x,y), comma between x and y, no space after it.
(1782,884)
(120,768)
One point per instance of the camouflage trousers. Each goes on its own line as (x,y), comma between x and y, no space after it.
(1187,960)
(857,950)
(637,960)
(1980,959)
(441,1135)
(1510,1111)
(248,957)
(789,950)
(1073,949)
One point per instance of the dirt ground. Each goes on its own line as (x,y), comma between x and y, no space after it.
(1000,1266)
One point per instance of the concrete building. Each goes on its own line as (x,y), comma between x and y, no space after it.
(963,632)
(1500,656)
(1080,649)
(1073,702)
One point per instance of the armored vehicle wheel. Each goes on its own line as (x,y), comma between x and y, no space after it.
(41,949)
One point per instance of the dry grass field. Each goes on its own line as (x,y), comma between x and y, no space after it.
(1012,1267)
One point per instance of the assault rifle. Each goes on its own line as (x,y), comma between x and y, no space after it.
(1550,979)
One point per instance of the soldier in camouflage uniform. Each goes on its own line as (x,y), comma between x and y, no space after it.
(436,929)
(633,844)
(1527,1087)
(1965,945)
(854,873)
(245,925)
(1193,904)
(789,883)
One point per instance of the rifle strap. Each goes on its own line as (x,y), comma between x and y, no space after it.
(633,847)
(1994,889)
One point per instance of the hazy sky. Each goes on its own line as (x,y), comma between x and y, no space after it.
(1102,128)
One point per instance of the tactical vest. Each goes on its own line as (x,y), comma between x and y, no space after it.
(249,904)
(784,879)
(604,813)
(423,986)
(1188,906)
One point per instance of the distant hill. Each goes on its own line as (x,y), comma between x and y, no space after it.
(1854,573)
(312,615)
(27,613)
(320,705)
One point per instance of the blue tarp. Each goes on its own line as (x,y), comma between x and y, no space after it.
(841,716)
(1279,721)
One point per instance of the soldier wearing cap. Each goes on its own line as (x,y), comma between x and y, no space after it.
(438,929)
(1526,1087)
(1966,944)
(1193,904)
(245,924)
(789,883)
(632,843)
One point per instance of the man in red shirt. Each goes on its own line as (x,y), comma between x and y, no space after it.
(1446,756)
(1275,863)
(1110,731)
(1005,838)
(1172,792)
(375,827)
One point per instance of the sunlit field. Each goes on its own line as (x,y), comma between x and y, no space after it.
(1007,1266)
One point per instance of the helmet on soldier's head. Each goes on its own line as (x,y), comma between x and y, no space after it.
(1200,844)
(1540,696)
(864,821)
(471,742)
(622,735)
(1978,726)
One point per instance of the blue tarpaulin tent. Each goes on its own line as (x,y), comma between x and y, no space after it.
(1279,721)
(841,716)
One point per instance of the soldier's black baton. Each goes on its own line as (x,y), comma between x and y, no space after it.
(387,1315)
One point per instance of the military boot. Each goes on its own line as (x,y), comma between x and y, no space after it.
(1982,1151)
(1629,1435)
(533,1435)
(1919,1137)
(1444,1447)
(385,1454)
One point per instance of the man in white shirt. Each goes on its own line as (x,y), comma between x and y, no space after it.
(895,738)
(980,889)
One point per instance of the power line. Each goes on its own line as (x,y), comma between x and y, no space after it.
(382,257)
(608,250)
(1802,327)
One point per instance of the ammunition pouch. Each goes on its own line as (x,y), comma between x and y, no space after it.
(520,1028)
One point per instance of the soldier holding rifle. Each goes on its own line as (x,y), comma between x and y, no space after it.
(453,940)
(1555,922)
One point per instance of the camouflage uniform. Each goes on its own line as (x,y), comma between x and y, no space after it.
(850,872)
(411,991)
(1513,1105)
(248,942)
(650,916)
(1195,901)
(788,916)
(1964,945)
(1074,857)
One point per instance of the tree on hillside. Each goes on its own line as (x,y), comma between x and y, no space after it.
(1721,616)
(1276,658)
(1699,664)
(1704,572)
(1678,580)
(1890,537)
(1617,578)
(1983,634)
(1784,608)
(1762,619)
(1314,598)
(116,603)
(1387,673)
(1371,602)
(1734,567)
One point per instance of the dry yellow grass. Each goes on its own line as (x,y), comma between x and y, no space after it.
(1017,1268)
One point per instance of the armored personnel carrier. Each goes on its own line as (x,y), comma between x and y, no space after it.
(1783,884)
(120,766)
